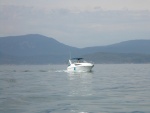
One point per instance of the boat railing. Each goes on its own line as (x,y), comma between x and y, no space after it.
(79,61)
(91,62)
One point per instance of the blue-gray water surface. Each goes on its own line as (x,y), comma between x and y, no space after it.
(109,88)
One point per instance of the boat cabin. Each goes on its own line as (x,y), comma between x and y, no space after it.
(76,60)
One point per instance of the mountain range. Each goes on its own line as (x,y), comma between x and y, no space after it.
(39,49)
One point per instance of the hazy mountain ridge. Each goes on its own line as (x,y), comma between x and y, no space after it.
(33,44)
(39,49)
(131,46)
(118,58)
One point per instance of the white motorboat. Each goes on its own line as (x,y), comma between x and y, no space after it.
(79,65)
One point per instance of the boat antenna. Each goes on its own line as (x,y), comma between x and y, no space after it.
(70,54)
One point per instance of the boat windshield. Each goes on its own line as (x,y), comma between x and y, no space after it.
(78,60)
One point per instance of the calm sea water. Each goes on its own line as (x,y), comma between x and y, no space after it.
(110,88)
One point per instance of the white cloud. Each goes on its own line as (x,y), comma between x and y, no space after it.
(82,4)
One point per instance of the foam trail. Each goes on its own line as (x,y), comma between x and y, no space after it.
(61,71)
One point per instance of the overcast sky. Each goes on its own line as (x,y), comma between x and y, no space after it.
(79,23)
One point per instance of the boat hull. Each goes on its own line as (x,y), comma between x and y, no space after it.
(80,68)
